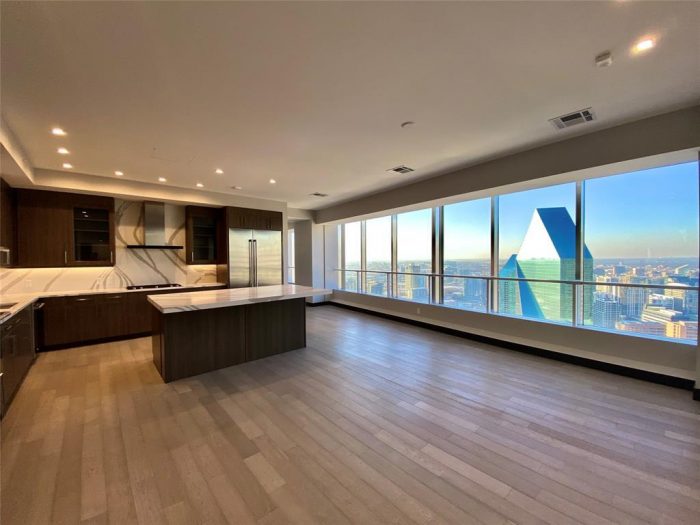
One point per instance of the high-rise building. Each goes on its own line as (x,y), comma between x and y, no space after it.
(548,251)
(632,299)
(606,310)
(672,302)
(416,285)
(682,330)
(659,314)
(642,327)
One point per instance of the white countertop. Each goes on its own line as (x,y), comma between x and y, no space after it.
(189,301)
(22,300)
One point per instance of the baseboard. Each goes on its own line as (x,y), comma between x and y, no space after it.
(645,375)
(321,303)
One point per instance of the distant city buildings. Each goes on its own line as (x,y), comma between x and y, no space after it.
(548,253)
(607,310)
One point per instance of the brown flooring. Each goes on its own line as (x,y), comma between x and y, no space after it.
(375,422)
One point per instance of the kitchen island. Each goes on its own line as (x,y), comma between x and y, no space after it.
(194,333)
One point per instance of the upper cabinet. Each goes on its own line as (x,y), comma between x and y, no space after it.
(205,235)
(63,229)
(254,219)
(8,225)
(91,231)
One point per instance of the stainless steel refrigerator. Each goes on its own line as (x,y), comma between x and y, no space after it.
(255,257)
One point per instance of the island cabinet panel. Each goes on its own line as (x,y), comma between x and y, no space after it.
(275,327)
(195,342)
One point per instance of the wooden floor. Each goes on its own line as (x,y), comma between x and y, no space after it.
(375,422)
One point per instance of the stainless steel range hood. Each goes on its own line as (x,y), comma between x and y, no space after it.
(154,228)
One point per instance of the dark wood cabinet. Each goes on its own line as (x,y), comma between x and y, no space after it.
(289,319)
(63,229)
(8,225)
(54,330)
(16,352)
(205,242)
(91,231)
(254,219)
(81,319)
(42,229)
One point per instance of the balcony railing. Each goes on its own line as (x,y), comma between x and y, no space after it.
(619,307)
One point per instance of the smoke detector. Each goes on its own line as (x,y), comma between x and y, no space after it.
(318,194)
(572,119)
(401,169)
(604,59)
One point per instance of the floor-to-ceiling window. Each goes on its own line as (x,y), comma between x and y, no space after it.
(378,255)
(414,241)
(630,265)
(537,240)
(642,229)
(467,251)
(352,259)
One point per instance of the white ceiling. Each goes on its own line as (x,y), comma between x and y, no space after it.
(313,94)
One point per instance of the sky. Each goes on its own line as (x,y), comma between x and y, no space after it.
(648,213)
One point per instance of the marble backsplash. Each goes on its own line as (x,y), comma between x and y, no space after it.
(132,266)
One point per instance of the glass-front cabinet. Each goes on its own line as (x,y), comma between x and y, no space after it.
(204,228)
(91,232)
(91,235)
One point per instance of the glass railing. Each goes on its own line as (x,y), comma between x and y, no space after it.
(666,311)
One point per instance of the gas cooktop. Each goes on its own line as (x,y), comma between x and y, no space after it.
(147,286)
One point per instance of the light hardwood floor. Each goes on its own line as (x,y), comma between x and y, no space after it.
(375,422)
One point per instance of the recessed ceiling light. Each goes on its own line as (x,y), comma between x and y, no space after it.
(162,179)
(643,45)
(219,171)
(200,185)
(273,181)
(236,188)
(58,131)
(63,151)
(67,166)
(119,173)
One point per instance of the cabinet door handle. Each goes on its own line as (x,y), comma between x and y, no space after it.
(82,299)
(192,255)
(111,256)
(65,256)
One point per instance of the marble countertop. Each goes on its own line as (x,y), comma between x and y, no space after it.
(23,300)
(189,301)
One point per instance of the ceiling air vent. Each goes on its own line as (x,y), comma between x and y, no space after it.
(577,117)
(318,194)
(401,169)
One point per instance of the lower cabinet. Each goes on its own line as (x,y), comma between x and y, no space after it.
(16,353)
(82,319)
